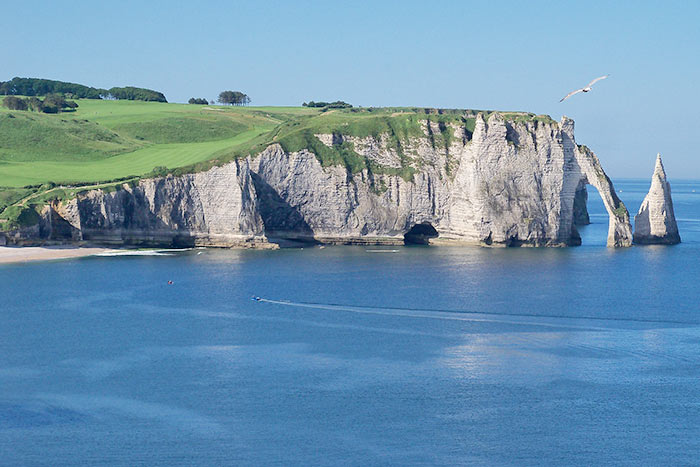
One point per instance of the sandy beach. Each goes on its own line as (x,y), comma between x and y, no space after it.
(10,254)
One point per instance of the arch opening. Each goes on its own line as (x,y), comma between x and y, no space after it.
(420,234)
(591,219)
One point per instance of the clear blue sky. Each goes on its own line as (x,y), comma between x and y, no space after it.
(454,54)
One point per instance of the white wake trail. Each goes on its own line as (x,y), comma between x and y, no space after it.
(442,315)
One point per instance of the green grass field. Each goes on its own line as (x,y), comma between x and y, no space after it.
(105,140)
(139,162)
(44,155)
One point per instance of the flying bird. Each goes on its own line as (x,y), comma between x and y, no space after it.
(584,89)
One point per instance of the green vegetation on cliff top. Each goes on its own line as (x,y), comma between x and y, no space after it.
(110,141)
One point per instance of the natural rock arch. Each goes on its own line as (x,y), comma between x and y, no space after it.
(586,170)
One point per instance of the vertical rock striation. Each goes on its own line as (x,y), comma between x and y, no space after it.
(656,223)
(216,207)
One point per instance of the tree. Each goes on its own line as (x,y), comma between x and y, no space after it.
(233,98)
(240,98)
(35,104)
(14,103)
(49,109)
(197,100)
(55,100)
(226,97)
(58,102)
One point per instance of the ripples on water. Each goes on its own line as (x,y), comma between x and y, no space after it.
(426,355)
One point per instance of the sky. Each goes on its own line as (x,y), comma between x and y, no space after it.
(450,54)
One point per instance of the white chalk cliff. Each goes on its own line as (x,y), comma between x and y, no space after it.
(656,223)
(506,183)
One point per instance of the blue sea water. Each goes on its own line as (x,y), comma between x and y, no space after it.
(359,355)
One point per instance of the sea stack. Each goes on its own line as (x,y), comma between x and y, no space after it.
(655,224)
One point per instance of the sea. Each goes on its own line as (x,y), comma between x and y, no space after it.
(359,355)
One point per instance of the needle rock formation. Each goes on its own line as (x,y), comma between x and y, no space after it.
(655,224)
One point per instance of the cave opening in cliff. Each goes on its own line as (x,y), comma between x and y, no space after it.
(420,234)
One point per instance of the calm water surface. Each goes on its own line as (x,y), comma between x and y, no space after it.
(421,355)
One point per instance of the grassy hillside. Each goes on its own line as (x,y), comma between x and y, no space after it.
(105,140)
(44,156)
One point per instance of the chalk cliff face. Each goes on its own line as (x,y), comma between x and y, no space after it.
(656,223)
(217,207)
(505,183)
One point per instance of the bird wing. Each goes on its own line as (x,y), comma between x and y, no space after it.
(571,94)
(596,80)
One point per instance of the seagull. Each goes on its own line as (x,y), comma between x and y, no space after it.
(586,89)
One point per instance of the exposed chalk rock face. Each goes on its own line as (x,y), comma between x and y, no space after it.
(216,207)
(61,221)
(619,228)
(510,184)
(504,183)
(655,223)
(337,206)
(581,206)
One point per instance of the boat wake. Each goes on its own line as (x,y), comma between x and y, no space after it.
(608,348)
(532,319)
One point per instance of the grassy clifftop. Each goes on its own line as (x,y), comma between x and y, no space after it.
(105,140)
(44,156)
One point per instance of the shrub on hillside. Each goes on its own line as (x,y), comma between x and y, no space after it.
(55,100)
(197,100)
(158,171)
(14,103)
(52,104)
(35,104)
(50,109)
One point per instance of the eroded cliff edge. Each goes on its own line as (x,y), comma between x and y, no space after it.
(506,182)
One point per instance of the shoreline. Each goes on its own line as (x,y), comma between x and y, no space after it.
(25,254)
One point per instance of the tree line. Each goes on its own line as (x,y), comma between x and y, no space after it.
(328,105)
(225,97)
(131,93)
(52,104)
(44,87)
